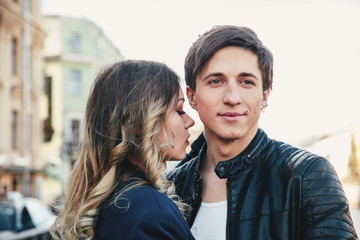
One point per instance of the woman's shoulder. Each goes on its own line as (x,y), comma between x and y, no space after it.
(140,208)
(146,198)
(136,203)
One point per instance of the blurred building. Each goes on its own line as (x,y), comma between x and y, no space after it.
(21,88)
(74,52)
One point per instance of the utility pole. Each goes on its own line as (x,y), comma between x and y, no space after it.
(26,154)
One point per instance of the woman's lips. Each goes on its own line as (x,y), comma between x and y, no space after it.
(187,140)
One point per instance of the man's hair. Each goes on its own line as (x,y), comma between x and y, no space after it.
(224,36)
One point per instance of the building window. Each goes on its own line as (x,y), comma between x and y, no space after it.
(100,46)
(75,130)
(75,83)
(48,129)
(14,130)
(75,42)
(14,59)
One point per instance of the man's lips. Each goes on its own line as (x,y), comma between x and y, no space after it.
(231,116)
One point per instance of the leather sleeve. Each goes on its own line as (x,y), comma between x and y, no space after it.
(325,207)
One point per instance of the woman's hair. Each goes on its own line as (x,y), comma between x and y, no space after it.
(224,36)
(126,109)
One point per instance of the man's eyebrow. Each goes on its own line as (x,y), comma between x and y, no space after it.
(219,74)
(215,74)
(245,74)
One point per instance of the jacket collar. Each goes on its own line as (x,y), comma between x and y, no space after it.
(230,168)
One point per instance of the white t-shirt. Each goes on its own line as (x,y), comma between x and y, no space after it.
(210,221)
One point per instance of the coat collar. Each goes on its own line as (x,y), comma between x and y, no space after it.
(230,168)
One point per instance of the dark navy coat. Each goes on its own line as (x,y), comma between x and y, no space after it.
(141,213)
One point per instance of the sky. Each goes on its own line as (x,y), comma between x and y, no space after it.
(315,43)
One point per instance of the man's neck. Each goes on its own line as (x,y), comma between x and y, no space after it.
(221,150)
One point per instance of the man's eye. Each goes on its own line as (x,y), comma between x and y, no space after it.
(247,82)
(180,112)
(215,81)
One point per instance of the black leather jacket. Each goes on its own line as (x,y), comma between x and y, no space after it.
(274,191)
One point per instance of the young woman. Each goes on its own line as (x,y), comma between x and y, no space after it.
(134,122)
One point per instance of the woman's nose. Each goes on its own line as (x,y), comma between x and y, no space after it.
(189,122)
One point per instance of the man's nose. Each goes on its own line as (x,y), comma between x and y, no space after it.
(232,94)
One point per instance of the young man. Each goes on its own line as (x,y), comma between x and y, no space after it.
(239,183)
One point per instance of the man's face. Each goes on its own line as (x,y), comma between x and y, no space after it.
(229,95)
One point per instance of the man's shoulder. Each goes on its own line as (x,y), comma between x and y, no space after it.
(293,157)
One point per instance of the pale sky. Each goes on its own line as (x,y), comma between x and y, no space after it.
(315,43)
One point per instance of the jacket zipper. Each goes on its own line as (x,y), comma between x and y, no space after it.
(228,198)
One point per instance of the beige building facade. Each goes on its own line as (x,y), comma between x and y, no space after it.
(75,50)
(21,88)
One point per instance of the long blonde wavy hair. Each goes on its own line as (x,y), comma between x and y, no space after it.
(126,109)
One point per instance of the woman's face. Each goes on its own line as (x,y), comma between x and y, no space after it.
(177,124)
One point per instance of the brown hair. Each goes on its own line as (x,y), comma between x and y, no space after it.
(126,109)
(223,36)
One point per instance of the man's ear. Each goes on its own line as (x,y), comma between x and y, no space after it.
(265,97)
(192,98)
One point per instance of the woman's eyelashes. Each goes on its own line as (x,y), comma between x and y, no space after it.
(180,112)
